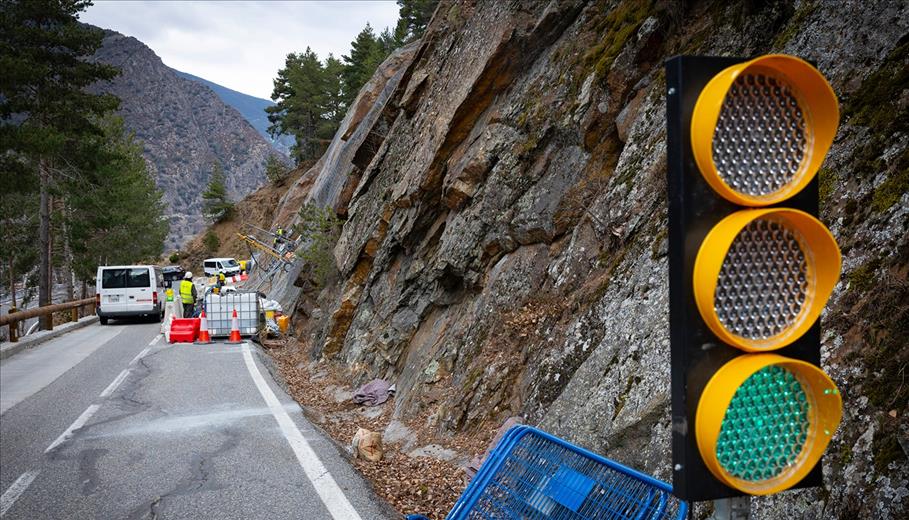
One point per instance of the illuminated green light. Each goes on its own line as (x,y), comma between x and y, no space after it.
(765,425)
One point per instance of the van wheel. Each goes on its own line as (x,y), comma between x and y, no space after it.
(103,320)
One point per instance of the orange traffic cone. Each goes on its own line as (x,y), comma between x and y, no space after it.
(234,330)
(204,335)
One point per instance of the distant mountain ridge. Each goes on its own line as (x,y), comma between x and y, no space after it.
(250,107)
(184,127)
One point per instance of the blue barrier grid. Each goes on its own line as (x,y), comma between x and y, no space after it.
(533,475)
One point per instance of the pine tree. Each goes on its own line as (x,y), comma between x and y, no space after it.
(115,213)
(47,118)
(18,223)
(413,17)
(275,169)
(335,108)
(366,54)
(216,206)
(300,99)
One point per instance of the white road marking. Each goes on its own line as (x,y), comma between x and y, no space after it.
(115,383)
(90,411)
(145,351)
(332,496)
(78,423)
(18,487)
(140,355)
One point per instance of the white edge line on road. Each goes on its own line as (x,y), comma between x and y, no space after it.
(155,341)
(115,383)
(12,494)
(78,423)
(332,496)
(140,355)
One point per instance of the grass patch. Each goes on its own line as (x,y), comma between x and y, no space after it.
(886,447)
(798,19)
(877,105)
(616,27)
(891,190)
(826,179)
(862,277)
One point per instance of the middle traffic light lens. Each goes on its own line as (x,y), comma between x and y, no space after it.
(762,276)
(763,282)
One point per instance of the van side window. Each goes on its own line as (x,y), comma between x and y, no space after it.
(210,264)
(139,278)
(113,279)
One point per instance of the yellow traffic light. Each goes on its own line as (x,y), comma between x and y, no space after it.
(764,420)
(762,277)
(760,129)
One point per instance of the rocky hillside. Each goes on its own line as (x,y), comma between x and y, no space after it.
(504,250)
(184,127)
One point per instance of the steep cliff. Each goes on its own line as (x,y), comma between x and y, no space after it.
(504,249)
(184,128)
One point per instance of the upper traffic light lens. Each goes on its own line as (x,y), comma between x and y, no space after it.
(760,129)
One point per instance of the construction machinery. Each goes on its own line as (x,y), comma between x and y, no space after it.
(270,259)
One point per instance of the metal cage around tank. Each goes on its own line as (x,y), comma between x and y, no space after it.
(219,312)
(533,475)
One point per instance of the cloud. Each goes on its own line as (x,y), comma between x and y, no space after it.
(240,45)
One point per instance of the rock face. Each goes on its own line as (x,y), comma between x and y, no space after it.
(504,251)
(184,128)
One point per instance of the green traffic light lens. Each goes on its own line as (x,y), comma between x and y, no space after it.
(765,426)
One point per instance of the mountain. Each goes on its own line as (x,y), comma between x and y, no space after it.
(250,107)
(184,128)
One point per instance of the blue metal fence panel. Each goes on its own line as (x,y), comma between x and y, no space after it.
(535,476)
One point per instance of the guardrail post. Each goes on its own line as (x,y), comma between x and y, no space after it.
(74,314)
(13,328)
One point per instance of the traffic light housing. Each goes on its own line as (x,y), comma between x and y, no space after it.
(751,268)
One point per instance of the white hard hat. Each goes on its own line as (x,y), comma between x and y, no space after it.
(188,276)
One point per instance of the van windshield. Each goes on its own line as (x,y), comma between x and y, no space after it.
(231,263)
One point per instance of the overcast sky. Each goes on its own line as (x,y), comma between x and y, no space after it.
(240,45)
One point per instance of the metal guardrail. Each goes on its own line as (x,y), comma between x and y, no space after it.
(14,317)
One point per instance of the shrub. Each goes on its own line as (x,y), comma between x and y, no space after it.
(211,242)
(318,229)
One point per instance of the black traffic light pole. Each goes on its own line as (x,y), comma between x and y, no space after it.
(694,208)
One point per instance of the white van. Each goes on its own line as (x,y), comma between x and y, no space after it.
(129,290)
(228,266)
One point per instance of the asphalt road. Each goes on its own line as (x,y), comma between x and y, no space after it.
(110,422)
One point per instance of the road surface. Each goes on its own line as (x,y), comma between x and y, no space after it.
(111,422)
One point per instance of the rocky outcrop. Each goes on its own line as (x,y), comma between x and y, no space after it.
(504,250)
(184,128)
